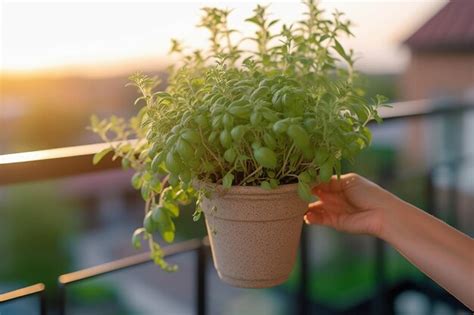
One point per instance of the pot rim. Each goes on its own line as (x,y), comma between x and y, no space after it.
(246,190)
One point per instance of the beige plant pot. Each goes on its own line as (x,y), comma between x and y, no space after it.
(254,233)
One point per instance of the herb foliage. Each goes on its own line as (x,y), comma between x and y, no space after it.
(286,111)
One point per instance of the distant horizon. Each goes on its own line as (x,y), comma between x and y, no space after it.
(114,69)
(95,70)
(124,43)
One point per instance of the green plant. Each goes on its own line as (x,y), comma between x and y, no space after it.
(287,111)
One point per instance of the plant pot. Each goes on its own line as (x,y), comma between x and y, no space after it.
(254,233)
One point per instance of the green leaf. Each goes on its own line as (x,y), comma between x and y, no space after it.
(304,191)
(323,38)
(161,221)
(191,136)
(172,209)
(173,162)
(137,180)
(167,228)
(137,237)
(145,191)
(94,121)
(157,160)
(167,235)
(280,126)
(304,177)
(321,156)
(156,184)
(157,212)
(300,137)
(230,155)
(274,182)
(238,132)
(325,171)
(225,138)
(266,185)
(340,50)
(185,150)
(125,163)
(265,157)
(99,155)
(227,180)
(197,214)
(269,141)
(149,225)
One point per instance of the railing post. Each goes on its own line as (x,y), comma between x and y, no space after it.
(303,283)
(379,304)
(430,193)
(61,298)
(201,280)
(452,217)
(431,209)
(42,301)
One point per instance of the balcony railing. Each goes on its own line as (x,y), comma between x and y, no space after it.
(70,161)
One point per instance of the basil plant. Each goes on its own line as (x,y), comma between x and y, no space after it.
(275,108)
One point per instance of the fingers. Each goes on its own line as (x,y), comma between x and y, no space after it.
(317,214)
(333,202)
(315,217)
(316,206)
(335,184)
(357,223)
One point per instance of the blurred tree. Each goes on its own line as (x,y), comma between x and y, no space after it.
(49,125)
(384,84)
(35,227)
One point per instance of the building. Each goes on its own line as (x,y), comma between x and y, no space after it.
(442,54)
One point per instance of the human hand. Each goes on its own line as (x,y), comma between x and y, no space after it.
(356,205)
(351,204)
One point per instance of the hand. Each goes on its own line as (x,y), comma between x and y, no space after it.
(351,204)
(354,204)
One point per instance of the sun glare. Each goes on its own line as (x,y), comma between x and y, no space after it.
(105,36)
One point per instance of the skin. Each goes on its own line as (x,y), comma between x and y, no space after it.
(354,204)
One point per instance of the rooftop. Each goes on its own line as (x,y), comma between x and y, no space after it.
(451,29)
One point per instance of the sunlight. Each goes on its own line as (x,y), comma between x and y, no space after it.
(69,35)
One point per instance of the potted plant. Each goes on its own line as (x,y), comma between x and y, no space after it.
(244,131)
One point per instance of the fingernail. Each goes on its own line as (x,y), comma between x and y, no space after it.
(306,217)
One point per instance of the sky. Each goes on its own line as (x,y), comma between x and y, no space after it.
(101,37)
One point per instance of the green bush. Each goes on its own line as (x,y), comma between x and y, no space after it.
(35,227)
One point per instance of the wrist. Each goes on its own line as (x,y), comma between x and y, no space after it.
(392,215)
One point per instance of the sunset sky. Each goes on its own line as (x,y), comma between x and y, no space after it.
(98,38)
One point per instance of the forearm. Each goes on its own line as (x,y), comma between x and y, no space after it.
(440,251)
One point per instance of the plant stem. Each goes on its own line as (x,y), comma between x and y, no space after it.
(286,160)
(210,151)
(250,175)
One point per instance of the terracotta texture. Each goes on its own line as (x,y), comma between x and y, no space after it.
(254,233)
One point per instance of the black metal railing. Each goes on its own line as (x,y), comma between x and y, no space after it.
(198,246)
(47,164)
(33,290)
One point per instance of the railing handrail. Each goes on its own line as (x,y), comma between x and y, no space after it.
(193,245)
(129,261)
(23,292)
(77,160)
